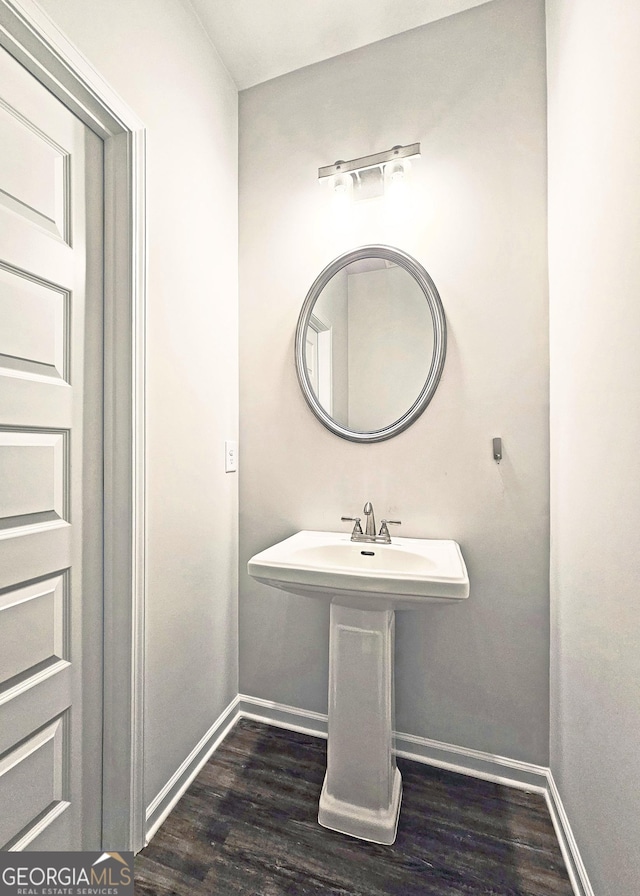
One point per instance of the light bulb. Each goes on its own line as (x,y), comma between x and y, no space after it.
(396,171)
(343,184)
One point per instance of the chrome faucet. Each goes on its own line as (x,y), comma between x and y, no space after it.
(370,528)
(369,535)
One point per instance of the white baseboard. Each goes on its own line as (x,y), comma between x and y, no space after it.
(570,852)
(431,752)
(475,763)
(282,716)
(179,782)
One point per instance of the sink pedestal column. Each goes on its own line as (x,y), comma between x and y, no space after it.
(362,787)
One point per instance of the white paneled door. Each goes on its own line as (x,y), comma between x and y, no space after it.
(51,207)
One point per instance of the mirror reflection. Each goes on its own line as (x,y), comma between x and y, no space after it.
(369,344)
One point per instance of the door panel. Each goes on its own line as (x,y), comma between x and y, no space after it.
(31,779)
(35,153)
(33,183)
(50,470)
(33,626)
(34,340)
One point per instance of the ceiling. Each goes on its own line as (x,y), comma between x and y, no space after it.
(261,39)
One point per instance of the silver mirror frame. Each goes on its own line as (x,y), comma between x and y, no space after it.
(432,296)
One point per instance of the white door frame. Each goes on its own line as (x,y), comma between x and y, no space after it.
(324,362)
(35,41)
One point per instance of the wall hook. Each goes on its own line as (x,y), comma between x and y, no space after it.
(497,450)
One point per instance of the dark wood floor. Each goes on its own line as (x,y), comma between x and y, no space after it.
(247,826)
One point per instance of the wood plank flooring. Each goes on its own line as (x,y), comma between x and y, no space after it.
(248,826)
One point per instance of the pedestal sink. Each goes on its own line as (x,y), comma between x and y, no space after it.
(364,584)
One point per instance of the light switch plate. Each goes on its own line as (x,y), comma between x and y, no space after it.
(230,456)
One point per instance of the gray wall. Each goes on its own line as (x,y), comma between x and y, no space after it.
(594,237)
(156,56)
(471,88)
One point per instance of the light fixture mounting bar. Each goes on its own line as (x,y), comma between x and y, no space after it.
(373,161)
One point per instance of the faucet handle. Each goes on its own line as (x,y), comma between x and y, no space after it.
(384,524)
(357,529)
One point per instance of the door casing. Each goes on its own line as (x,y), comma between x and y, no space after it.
(33,39)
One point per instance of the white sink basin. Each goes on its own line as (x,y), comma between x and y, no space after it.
(329,566)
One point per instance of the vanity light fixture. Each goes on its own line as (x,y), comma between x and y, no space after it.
(367,174)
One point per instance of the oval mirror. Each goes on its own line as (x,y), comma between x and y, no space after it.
(370,343)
